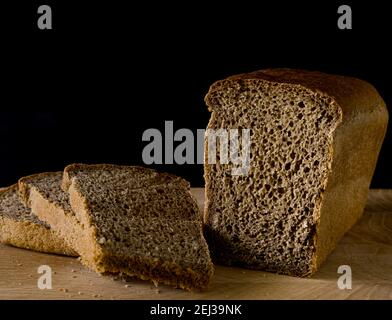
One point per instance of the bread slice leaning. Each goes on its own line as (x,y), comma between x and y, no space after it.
(314,143)
(20,228)
(129,220)
(42,193)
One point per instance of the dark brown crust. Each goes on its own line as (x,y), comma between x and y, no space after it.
(353,95)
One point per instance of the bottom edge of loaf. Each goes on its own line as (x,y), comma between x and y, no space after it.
(223,252)
(281,271)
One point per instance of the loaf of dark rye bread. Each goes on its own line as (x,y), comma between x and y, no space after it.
(20,228)
(315,139)
(128,220)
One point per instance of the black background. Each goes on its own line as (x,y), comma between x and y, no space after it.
(86,90)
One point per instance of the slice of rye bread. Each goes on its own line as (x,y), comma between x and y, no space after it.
(315,139)
(20,228)
(42,193)
(134,221)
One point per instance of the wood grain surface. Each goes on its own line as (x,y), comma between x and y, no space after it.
(367,249)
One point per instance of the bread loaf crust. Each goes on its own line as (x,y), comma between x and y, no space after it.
(356,142)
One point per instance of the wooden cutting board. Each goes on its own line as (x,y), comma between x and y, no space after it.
(367,249)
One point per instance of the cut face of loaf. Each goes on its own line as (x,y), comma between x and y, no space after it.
(20,228)
(141,223)
(315,139)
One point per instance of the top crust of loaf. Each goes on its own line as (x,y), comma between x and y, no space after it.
(351,94)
